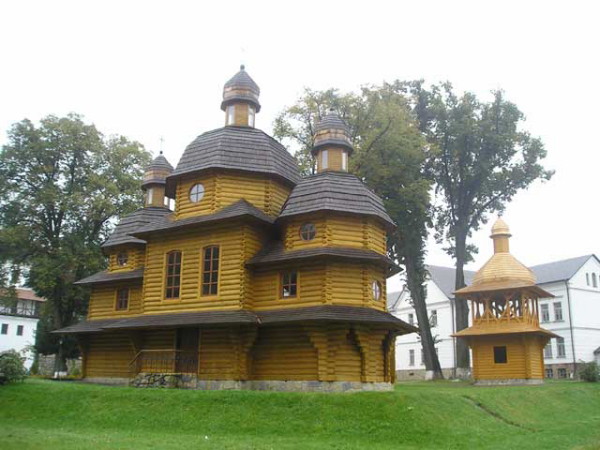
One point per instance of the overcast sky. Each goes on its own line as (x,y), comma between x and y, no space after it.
(150,69)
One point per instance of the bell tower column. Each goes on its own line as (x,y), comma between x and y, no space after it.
(332,146)
(240,100)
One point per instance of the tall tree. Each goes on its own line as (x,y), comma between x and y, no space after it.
(484,158)
(390,156)
(61,184)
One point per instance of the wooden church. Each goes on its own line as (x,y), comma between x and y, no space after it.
(258,279)
(505,337)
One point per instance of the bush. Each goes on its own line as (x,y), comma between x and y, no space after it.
(11,367)
(589,372)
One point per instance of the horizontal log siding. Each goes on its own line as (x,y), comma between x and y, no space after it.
(320,283)
(348,359)
(135,259)
(284,354)
(523,357)
(225,188)
(337,230)
(108,355)
(230,239)
(218,356)
(104,298)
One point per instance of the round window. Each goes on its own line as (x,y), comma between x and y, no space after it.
(196,193)
(308,231)
(376,287)
(122,258)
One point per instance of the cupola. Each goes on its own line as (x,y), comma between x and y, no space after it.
(240,100)
(154,181)
(332,145)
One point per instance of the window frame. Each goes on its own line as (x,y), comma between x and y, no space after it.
(376,290)
(4,328)
(324,160)
(122,262)
(212,272)
(560,371)
(169,276)
(411,357)
(118,299)
(20,329)
(545,313)
(230,119)
(561,348)
(311,233)
(199,195)
(282,284)
(251,116)
(411,319)
(594,280)
(549,372)
(560,309)
(433,319)
(548,350)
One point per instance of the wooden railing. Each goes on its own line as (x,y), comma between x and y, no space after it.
(164,361)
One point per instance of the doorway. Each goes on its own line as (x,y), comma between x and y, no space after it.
(186,355)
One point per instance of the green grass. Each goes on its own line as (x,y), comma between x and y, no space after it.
(46,414)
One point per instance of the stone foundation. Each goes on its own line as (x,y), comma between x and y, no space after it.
(186,381)
(509,382)
(420,374)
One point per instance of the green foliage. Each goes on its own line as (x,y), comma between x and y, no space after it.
(62,184)
(11,367)
(589,372)
(440,415)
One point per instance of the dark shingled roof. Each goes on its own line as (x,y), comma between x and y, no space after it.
(445,278)
(122,233)
(107,277)
(236,148)
(243,80)
(241,208)
(559,270)
(160,162)
(334,191)
(332,121)
(275,252)
(327,313)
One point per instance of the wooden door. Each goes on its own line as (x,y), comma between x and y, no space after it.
(187,350)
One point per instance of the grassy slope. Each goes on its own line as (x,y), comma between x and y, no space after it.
(45,414)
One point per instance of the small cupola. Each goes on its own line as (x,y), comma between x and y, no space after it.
(155,177)
(240,100)
(332,145)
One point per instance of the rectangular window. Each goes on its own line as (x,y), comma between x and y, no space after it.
(560,348)
(500,355)
(149,194)
(173,281)
(558,315)
(545,313)
(422,357)
(289,284)
(122,299)
(587,279)
(548,350)
(433,319)
(549,373)
(324,158)
(251,115)
(411,357)
(4,328)
(230,115)
(344,160)
(19,330)
(411,319)
(562,373)
(210,270)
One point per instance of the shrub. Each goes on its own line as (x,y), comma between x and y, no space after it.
(11,367)
(589,372)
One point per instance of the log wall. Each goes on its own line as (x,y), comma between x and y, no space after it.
(103,300)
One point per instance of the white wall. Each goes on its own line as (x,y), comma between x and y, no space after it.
(12,341)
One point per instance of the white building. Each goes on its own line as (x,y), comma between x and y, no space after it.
(573,314)
(18,323)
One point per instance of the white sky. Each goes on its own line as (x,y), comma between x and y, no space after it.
(150,69)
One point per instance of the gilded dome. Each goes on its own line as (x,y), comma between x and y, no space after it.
(500,228)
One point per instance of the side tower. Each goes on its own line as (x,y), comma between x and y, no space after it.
(506,338)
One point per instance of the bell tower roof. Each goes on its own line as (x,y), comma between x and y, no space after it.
(332,130)
(158,171)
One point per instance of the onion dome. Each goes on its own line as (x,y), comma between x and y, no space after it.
(241,89)
(503,270)
(334,191)
(332,131)
(157,172)
(236,148)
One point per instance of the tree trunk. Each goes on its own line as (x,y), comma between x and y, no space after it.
(461,306)
(417,293)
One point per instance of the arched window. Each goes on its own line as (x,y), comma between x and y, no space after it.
(122,299)
(122,258)
(210,270)
(230,115)
(376,290)
(308,231)
(594,280)
(251,116)
(173,280)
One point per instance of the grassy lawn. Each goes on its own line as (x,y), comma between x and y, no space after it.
(46,414)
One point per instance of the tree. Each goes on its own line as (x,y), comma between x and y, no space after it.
(390,156)
(484,158)
(61,185)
